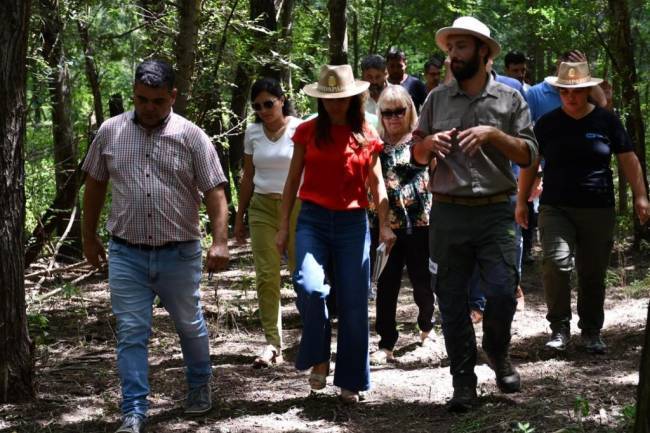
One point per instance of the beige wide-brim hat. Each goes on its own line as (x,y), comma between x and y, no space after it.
(336,81)
(573,75)
(468,26)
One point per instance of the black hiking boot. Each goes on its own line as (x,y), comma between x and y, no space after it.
(508,379)
(463,400)
(593,342)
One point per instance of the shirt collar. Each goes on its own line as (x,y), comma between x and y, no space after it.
(488,90)
(134,118)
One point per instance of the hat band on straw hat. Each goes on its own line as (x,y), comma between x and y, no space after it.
(570,82)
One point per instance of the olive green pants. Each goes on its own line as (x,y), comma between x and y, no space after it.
(581,239)
(264,222)
(460,239)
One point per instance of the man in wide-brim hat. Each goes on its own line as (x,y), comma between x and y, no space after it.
(474,127)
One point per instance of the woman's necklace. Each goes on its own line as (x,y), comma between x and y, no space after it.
(275,135)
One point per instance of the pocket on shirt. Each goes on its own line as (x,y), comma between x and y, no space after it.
(188,251)
(445,125)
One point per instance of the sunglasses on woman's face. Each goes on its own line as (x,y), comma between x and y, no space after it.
(266,104)
(398,112)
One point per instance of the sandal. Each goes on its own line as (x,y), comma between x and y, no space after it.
(318,381)
(349,397)
(381,357)
(268,357)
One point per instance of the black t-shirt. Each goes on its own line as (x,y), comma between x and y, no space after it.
(577,156)
(416,89)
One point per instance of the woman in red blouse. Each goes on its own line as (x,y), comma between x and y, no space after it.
(336,155)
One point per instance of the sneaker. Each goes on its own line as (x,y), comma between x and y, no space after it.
(131,423)
(268,357)
(463,400)
(558,341)
(508,380)
(199,400)
(381,357)
(594,343)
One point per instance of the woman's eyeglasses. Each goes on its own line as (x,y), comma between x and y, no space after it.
(398,112)
(266,104)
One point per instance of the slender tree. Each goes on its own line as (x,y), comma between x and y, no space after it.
(189,12)
(625,66)
(91,70)
(16,351)
(338,44)
(65,148)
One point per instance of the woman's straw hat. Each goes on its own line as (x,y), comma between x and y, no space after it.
(573,75)
(336,81)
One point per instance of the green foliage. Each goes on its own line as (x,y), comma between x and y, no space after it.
(38,325)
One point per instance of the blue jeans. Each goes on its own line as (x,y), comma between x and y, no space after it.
(342,240)
(476,293)
(135,277)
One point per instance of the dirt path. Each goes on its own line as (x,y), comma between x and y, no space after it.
(78,388)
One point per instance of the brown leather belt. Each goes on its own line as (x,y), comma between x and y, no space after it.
(472,201)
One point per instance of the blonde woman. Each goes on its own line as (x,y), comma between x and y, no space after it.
(409,207)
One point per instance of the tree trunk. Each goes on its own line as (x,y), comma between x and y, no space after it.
(355,41)
(338,45)
(189,13)
(624,64)
(286,41)
(91,72)
(238,105)
(376,27)
(65,149)
(16,350)
(263,12)
(642,422)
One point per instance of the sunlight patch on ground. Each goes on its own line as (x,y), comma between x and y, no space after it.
(290,421)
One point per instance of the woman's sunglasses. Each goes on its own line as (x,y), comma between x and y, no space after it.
(266,104)
(398,112)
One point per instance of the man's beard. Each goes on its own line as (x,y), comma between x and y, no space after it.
(466,70)
(376,89)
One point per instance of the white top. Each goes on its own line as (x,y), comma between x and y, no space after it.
(270,158)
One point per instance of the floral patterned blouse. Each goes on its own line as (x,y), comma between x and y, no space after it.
(406,185)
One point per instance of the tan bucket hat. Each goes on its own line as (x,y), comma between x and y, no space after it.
(336,81)
(468,26)
(573,75)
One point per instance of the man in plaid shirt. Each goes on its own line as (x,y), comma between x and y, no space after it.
(159,164)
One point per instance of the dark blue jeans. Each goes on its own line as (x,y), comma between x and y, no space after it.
(340,239)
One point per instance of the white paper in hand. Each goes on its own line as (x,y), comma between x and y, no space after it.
(381,258)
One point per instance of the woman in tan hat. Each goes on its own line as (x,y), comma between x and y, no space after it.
(335,155)
(577,217)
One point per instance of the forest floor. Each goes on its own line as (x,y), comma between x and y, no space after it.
(78,388)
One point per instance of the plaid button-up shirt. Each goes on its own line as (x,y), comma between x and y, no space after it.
(155,177)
